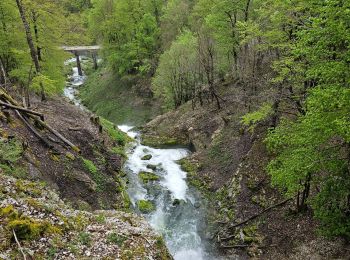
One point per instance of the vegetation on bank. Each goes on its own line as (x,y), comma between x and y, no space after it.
(125,102)
(45,227)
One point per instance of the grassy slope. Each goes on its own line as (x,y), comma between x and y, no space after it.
(123,101)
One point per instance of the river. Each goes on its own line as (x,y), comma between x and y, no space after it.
(178,213)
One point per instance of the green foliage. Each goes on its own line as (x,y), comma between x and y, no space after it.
(25,227)
(251,119)
(129,33)
(10,150)
(85,238)
(176,75)
(119,151)
(121,105)
(120,137)
(317,143)
(114,238)
(174,20)
(97,176)
(90,166)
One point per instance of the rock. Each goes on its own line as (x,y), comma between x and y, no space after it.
(147,157)
(148,176)
(152,167)
(70,156)
(197,205)
(176,202)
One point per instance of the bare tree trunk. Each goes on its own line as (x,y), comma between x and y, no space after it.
(3,78)
(246,11)
(32,49)
(36,33)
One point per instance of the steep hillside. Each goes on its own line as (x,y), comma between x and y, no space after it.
(60,201)
(129,99)
(229,167)
(45,227)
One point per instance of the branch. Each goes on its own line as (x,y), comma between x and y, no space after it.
(255,216)
(22,109)
(36,133)
(19,245)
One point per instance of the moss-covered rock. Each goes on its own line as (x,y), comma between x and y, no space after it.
(148,176)
(151,167)
(159,141)
(145,206)
(147,157)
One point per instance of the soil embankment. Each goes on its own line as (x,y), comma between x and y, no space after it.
(35,177)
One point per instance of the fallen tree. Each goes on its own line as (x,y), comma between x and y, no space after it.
(25,114)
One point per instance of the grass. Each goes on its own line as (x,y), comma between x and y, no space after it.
(96,175)
(10,150)
(118,136)
(114,238)
(84,238)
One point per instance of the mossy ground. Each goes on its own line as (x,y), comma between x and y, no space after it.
(48,228)
(145,206)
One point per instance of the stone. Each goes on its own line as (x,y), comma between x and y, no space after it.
(152,167)
(148,176)
(147,157)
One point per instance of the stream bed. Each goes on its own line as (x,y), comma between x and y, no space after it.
(178,210)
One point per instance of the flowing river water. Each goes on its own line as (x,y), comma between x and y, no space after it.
(178,213)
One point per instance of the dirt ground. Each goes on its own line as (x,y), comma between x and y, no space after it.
(62,167)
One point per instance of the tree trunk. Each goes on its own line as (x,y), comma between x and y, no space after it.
(3,79)
(36,33)
(32,49)
(94,59)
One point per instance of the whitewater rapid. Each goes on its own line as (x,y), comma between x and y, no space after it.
(178,214)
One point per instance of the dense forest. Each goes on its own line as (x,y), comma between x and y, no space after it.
(287,63)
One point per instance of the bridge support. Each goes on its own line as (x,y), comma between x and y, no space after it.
(94,59)
(80,71)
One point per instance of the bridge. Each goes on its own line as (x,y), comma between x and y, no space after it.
(83,50)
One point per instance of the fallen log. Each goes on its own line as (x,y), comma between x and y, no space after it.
(260,213)
(22,109)
(58,135)
(35,132)
(7,97)
(254,217)
(75,129)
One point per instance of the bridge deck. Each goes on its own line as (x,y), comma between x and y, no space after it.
(81,48)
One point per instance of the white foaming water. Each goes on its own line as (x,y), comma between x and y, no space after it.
(75,81)
(175,216)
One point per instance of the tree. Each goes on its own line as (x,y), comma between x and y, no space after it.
(177,74)
(129,33)
(313,152)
